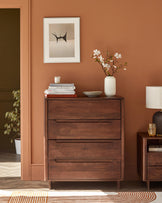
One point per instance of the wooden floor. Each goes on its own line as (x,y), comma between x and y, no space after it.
(10,165)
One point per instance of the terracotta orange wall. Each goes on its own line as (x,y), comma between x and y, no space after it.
(130,27)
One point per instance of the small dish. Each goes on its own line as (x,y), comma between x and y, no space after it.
(92,93)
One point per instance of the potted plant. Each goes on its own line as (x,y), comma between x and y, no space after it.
(12,127)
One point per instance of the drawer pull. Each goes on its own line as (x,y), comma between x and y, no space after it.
(82,161)
(83,141)
(83,121)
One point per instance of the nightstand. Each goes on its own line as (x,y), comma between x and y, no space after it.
(149,163)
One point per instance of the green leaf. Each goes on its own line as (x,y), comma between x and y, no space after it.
(12,127)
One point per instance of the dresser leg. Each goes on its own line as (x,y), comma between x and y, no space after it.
(118,185)
(148,185)
(50,185)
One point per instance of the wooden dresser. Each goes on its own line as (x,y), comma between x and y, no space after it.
(84,139)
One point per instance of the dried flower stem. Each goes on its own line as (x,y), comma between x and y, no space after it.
(110,65)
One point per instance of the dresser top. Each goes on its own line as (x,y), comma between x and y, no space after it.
(87,98)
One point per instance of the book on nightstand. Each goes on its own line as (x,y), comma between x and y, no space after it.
(155,148)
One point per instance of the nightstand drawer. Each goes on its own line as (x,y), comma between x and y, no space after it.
(155,173)
(85,129)
(81,150)
(84,171)
(104,109)
(154,158)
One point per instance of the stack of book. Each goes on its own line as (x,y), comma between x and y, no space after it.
(60,90)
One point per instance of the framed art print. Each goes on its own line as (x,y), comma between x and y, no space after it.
(62,40)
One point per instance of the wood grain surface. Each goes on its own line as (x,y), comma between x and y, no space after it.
(84,139)
(84,129)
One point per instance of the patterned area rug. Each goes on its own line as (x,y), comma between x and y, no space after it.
(28,197)
(121,197)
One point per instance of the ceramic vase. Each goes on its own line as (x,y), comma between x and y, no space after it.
(110,86)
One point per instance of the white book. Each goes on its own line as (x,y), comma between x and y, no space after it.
(59,93)
(61,88)
(61,84)
(155,148)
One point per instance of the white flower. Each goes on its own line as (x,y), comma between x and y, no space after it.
(94,57)
(111,61)
(114,66)
(105,65)
(96,52)
(117,55)
(124,69)
(101,59)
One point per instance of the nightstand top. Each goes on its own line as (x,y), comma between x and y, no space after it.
(145,135)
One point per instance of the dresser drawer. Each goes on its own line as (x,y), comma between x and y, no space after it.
(84,171)
(84,150)
(155,173)
(104,109)
(87,129)
(154,158)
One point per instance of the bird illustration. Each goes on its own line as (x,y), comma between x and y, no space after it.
(61,37)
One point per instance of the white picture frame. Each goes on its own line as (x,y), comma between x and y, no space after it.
(61,40)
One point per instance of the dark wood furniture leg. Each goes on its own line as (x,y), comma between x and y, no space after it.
(118,185)
(50,185)
(148,185)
